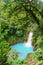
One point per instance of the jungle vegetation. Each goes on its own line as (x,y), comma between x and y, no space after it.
(17,19)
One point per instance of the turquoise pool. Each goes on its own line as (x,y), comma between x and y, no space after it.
(20,47)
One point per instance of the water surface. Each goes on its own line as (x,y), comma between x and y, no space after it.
(24,48)
(20,47)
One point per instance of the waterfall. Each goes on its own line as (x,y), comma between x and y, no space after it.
(29,42)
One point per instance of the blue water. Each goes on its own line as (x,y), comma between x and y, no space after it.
(20,47)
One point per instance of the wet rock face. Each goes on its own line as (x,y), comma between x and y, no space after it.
(32,62)
(41,63)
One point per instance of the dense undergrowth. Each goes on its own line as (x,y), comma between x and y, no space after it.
(16,21)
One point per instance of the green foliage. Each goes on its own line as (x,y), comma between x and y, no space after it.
(16,21)
(4,49)
(39,54)
(19,17)
(13,59)
(31,56)
(40,42)
(4,45)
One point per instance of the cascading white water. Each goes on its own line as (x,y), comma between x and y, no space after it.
(29,42)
